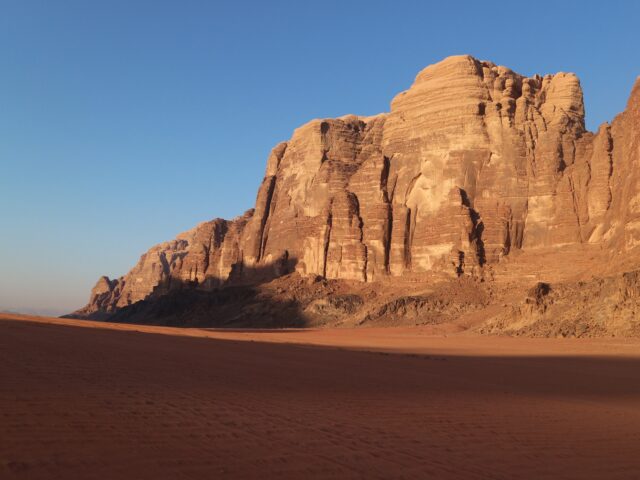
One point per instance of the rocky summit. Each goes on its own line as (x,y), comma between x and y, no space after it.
(479,185)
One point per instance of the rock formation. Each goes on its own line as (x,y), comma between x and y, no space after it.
(473,164)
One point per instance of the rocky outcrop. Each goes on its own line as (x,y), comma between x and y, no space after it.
(599,307)
(473,163)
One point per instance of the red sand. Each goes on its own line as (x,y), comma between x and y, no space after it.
(112,402)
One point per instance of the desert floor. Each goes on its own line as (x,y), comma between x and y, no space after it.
(116,401)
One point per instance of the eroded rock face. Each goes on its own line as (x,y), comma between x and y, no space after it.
(472,163)
(598,307)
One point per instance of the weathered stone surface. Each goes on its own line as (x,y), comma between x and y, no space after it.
(599,307)
(472,163)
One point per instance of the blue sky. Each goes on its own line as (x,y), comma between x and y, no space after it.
(123,123)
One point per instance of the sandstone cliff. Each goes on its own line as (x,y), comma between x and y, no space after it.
(474,167)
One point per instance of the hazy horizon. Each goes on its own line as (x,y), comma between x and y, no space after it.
(125,123)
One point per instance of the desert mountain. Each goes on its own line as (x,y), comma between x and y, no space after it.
(479,184)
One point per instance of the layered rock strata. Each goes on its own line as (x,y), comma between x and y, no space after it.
(472,163)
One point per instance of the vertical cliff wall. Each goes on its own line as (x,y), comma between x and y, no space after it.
(472,163)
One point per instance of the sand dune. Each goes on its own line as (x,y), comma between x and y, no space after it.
(125,402)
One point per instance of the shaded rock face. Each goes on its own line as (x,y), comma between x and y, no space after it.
(472,163)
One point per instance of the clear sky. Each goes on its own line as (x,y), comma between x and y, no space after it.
(125,122)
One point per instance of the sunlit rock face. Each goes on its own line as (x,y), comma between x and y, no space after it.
(472,163)
(502,142)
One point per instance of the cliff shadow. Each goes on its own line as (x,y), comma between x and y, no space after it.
(259,297)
